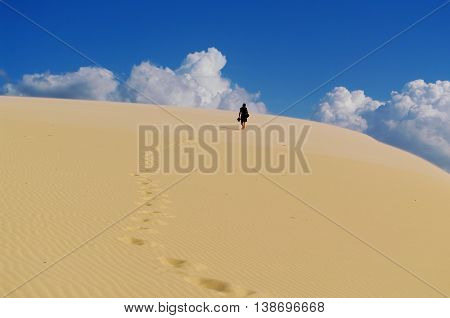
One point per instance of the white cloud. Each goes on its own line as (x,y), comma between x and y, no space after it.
(86,83)
(416,119)
(198,82)
(346,108)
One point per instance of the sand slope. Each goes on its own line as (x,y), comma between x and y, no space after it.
(68,172)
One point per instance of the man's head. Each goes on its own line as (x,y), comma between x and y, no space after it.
(243,105)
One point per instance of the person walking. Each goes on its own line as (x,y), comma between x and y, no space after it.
(243,115)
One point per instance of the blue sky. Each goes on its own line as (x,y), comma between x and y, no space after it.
(281,49)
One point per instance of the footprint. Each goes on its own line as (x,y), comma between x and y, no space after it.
(156,214)
(214,284)
(132,240)
(219,286)
(142,228)
(148,221)
(173,262)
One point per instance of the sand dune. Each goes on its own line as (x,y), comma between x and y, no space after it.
(369,221)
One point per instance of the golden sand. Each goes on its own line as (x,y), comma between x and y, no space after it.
(369,221)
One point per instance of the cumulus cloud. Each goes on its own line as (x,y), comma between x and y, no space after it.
(198,82)
(346,108)
(86,83)
(416,119)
